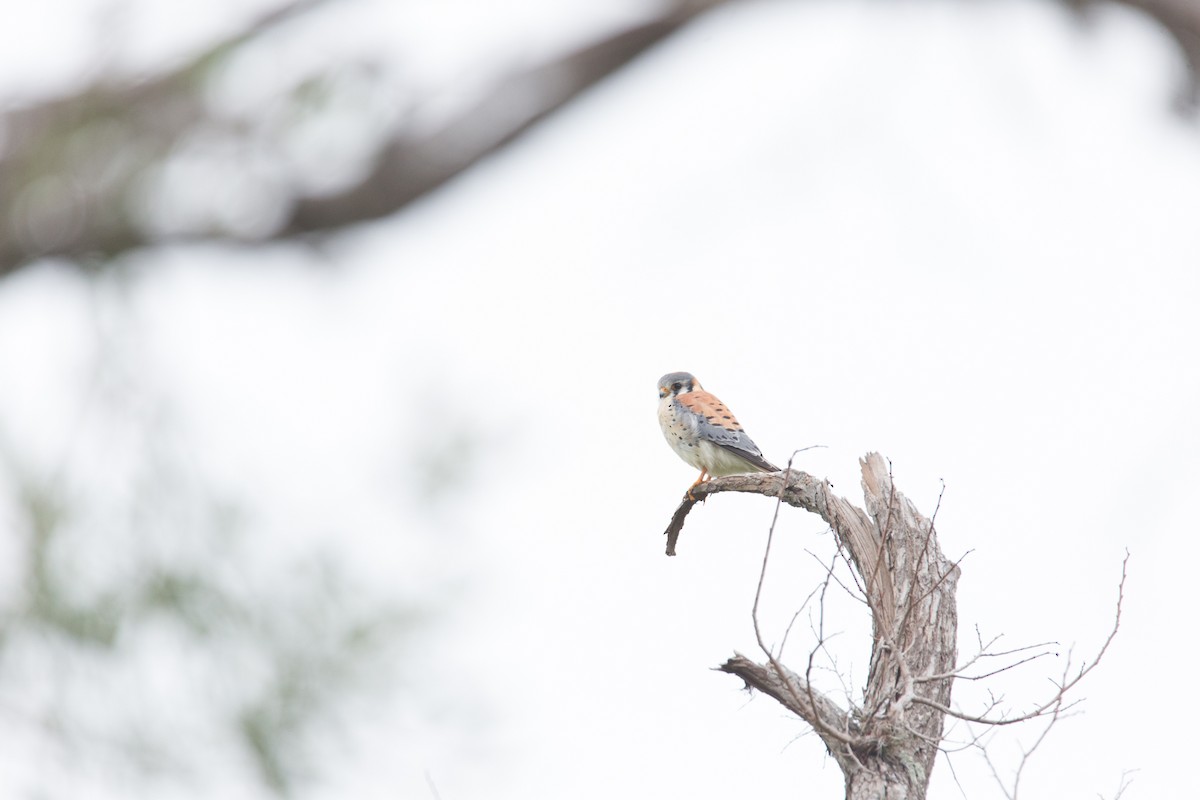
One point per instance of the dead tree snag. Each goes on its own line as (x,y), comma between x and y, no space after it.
(887,742)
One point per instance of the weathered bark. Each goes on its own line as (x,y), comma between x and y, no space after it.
(887,745)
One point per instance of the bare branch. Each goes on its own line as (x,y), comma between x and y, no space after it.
(854,594)
(803,605)
(1054,704)
(799,489)
(1126,779)
(801,692)
(958,671)
(833,724)
(1055,716)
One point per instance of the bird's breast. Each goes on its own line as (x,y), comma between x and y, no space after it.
(679,431)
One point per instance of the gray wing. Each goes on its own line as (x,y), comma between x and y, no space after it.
(737,442)
(695,409)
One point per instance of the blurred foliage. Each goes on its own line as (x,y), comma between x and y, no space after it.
(47,606)
(147,636)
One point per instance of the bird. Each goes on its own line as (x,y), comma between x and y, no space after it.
(703,431)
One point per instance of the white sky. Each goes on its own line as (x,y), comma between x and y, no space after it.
(963,235)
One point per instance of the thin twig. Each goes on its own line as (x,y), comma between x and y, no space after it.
(1063,687)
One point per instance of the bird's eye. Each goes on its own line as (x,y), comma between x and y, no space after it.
(675,387)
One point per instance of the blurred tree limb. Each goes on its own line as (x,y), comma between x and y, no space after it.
(74,170)
(1181,19)
(61,195)
(65,176)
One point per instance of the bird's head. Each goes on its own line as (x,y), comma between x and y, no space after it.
(674,383)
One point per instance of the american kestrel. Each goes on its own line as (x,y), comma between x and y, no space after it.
(704,432)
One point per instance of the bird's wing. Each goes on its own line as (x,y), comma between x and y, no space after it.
(716,423)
